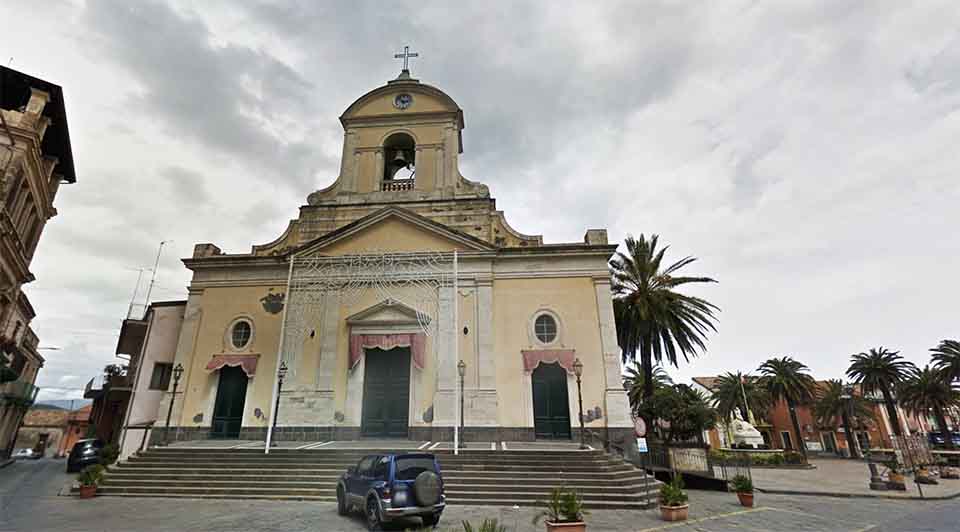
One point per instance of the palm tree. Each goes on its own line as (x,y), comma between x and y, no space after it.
(924,391)
(651,317)
(788,380)
(946,358)
(880,370)
(738,391)
(634,383)
(836,400)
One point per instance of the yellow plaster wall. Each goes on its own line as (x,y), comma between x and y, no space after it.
(383,104)
(392,234)
(220,307)
(515,301)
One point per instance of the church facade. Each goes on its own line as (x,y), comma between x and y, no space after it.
(397,289)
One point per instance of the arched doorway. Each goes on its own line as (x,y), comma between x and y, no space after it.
(228,408)
(551,407)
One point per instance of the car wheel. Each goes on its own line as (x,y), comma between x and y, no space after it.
(341,502)
(373,514)
(430,520)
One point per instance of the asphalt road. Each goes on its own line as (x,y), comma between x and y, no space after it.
(29,501)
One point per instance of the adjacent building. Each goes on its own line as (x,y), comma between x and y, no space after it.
(35,159)
(52,431)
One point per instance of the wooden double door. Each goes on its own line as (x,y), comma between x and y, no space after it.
(551,405)
(386,393)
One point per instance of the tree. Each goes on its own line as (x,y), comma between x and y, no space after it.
(651,316)
(732,389)
(685,412)
(946,358)
(634,384)
(880,370)
(925,391)
(836,400)
(788,380)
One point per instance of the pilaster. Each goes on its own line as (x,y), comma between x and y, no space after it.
(617,405)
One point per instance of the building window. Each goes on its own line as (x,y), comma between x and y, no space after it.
(545,328)
(160,380)
(240,334)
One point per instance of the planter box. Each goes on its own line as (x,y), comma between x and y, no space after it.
(579,526)
(674,513)
(746,499)
(88,492)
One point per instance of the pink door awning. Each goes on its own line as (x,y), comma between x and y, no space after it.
(248,363)
(534,357)
(415,341)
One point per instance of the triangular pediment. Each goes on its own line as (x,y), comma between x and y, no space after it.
(393,229)
(388,312)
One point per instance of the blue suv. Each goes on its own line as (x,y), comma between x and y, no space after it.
(390,486)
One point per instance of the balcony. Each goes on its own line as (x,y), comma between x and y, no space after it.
(102,384)
(396,185)
(18,392)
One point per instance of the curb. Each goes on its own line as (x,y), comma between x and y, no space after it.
(6,462)
(844,495)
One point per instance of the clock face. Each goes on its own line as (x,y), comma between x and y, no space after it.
(402,101)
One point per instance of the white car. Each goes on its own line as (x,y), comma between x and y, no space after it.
(26,453)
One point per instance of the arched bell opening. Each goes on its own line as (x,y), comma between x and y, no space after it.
(399,152)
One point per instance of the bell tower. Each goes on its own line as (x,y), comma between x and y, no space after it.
(401,143)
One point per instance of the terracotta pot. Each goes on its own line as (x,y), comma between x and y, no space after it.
(746,499)
(578,526)
(949,472)
(88,492)
(674,513)
(897,478)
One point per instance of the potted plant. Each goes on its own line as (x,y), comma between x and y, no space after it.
(563,512)
(89,478)
(743,487)
(895,478)
(948,472)
(673,500)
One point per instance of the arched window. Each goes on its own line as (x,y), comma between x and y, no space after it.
(399,164)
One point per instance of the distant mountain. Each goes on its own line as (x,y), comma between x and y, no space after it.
(61,404)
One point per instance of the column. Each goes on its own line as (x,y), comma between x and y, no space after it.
(483,403)
(617,408)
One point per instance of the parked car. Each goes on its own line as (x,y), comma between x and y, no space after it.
(936,439)
(391,486)
(23,454)
(84,453)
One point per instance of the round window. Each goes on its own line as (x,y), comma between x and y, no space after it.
(545,327)
(240,335)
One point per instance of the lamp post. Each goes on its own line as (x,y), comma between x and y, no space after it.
(177,372)
(578,371)
(281,373)
(462,371)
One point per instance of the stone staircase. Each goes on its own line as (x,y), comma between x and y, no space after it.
(501,478)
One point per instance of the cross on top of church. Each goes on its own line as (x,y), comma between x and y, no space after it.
(406,55)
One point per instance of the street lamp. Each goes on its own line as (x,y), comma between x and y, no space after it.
(462,371)
(177,372)
(578,371)
(281,373)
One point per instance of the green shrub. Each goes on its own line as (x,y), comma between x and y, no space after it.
(109,454)
(741,484)
(564,506)
(793,457)
(488,525)
(672,494)
(91,475)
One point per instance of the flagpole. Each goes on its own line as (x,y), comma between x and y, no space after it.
(276,381)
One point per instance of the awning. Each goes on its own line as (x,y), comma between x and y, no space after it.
(246,362)
(533,358)
(415,341)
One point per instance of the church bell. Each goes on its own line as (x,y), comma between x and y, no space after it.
(399,159)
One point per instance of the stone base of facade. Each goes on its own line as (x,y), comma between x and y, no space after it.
(616,436)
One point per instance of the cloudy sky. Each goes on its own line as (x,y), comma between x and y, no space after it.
(805,152)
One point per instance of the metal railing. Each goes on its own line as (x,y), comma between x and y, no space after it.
(18,392)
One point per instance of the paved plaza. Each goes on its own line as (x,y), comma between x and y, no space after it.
(842,478)
(29,501)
